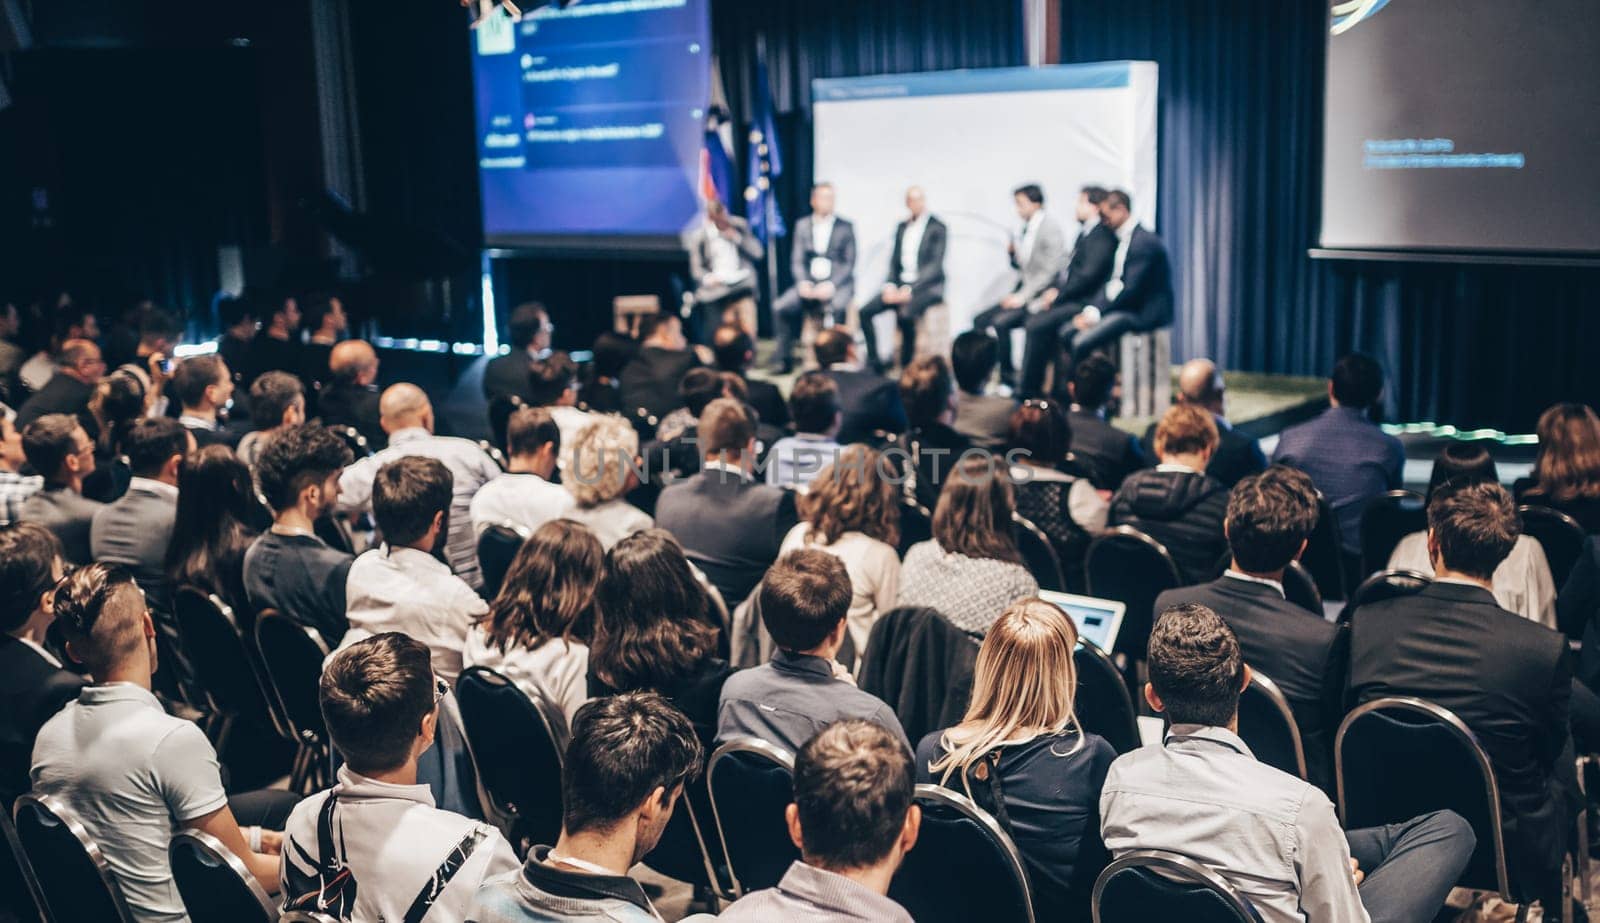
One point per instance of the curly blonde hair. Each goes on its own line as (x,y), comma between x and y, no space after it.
(852,495)
(600,461)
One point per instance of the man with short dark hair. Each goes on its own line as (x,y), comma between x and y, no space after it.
(57,447)
(1270,516)
(277,345)
(524,496)
(650,379)
(288,568)
(277,402)
(1349,458)
(135,529)
(803,600)
(870,403)
(325,323)
(374,847)
(553,384)
(794,460)
(1137,296)
(1038,252)
(735,351)
(1087,270)
(854,818)
(238,319)
(983,418)
(79,368)
(822,263)
(530,330)
(928,391)
(33,686)
(1200,383)
(1508,678)
(1272,836)
(1175,503)
(625,768)
(15,487)
(351,395)
(203,386)
(1106,454)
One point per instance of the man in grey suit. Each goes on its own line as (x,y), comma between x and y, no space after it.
(135,530)
(1038,255)
(722,262)
(59,449)
(823,260)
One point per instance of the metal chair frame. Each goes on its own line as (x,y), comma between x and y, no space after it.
(1264,685)
(213,849)
(312,766)
(760,748)
(944,797)
(1058,580)
(1176,867)
(56,809)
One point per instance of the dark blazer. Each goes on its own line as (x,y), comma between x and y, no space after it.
(68,514)
(930,257)
(730,527)
(1146,283)
(985,418)
(1305,654)
(507,376)
(1182,511)
(768,402)
(1237,456)
(270,354)
(357,406)
(1089,268)
(841,252)
(867,402)
(61,394)
(922,666)
(31,691)
(650,379)
(1508,678)
(134,531)
(1577,609)
(1107,453)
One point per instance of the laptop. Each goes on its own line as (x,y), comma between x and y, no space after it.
(1097,620)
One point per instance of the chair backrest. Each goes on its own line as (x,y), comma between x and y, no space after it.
(518,743)
(72,873)
(215,885)
(1151,884)
(751,783)
(292,655)
(1558,534)
(352,438)
(1038,554)
(497,548)
(1267,725)
(965,867)
(1103,704)
(1398,758)
(1322,556)
(1300,588)
(1131,567)
(222,662)
(916,525)
(20,900)
(1386,584)
(1385,520)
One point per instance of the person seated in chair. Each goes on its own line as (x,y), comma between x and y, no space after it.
(1274,838)
(1175,503)
(870,403)
(57,447)
(524,496)
(723,253)
(823,264)
(650,379)
(735,351)
(795,461)
(1137,298)
(507,375)
(982,417)
(33,685)
(915,281)
(1237,455)
(1038,254)
(553,385)
(854,818)
(803,599)
(277,401)
(928,391)
(1088,269)
(351,396)
(1104,453)
(135,530)
(203,386)
(625,769)
(374,847)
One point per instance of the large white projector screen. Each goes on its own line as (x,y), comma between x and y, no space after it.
(968,138)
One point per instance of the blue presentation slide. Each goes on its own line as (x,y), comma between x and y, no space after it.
(591,120)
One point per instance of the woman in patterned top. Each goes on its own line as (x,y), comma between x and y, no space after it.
(1066,507)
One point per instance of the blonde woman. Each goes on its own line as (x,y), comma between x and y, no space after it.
(1021,755)
(603,465)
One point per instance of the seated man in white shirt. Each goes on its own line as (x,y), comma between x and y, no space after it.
(400,585)
(524,496)
(1274,837)
(132,773)
(814,406)
(374,847)
(553,385)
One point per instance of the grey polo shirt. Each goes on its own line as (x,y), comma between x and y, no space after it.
(787,701)
(813,895)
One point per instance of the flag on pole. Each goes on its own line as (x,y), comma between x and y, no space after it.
(716,158)
(764,164)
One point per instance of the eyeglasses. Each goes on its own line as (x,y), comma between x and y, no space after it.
(440,690)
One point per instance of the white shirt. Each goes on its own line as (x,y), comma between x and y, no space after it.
(821,233)
(524,499)
(557,668)
(412,592)
(391,840)
(1522,583)
(161,488)
(611,521)
(795,460)
(910,243)
(1240,575)
(874,570)
(1124,235)
(726,265)
(190,422)
(570,421)
(1030,232)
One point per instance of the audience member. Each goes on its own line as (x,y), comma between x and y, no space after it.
(676,447)
(970,570)
(1273,837)
(132,773)
(12,355)
(603,392)
(135,530)
(1509,679)
(326,324)
(603,467)
(33,686)
(1200,383)
(65,322)
(1066,506)
(854,818)
(1021,754)
(15,487)
(218,518)
(507,375)
(735,352)
(869,402)
(928,393)
(803,602)
(351,397)
(1566,473)
(117,403)
(289,568)
(1522,582)
(276,346)
(78,368)
(524,496)
(203,386)
(650,379)
(374,847)
(553,385)
(730,524)
(539,628)
(408,419)
(627,765)
(1105,453)
(57,447)
(982,417)
(1348,457)
(400,585)
(277,402)
(1175,502)
(853,512)
(795,461)
(238,319)
(1270,517)
(155,334)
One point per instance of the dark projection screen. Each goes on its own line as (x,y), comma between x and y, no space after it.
(1463,127)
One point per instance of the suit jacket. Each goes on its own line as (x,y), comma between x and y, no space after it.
(750,250)
(1089,268)
(135,532)
(985,418)
(31,691)
(507,376)
(923,666)
(61,394)
(1237,456)
(650,379)
(1577,609)
(1044,260)
(1146,283)
(1509,679)
(1350,461)
(1108,454)
(841,253)
(867,402)
(930,257)
(68,514)
(1305,654)
(768,402)
(357,406)
(730,527)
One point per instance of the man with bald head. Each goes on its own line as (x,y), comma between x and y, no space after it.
(915,281)
(350,397)
(407,416)
(1238,456)
(79,367)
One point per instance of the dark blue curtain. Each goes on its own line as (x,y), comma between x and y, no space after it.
(1240,136)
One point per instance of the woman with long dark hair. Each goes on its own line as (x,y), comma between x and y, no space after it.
(217,510)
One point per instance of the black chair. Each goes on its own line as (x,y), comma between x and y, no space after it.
(215,885)
(1129,566)
(964,867)
(1300,588)
(224,666)
(1150,884)
(1323,556)
(497,548)
(1103,704)
(351,437)
(1558,534)
(20,900)
(518,743)
(1385,520)
(916,525)
(1267,725)
(1038,554)
(292,655)
(72,873)
(1387,584)
(751,783)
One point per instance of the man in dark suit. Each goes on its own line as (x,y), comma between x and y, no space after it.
(1508,678)
(507,376)
(351,397)
(823,261)
(1138,296)
(1270,516)
(983,418)
(1086,274)
(203,386)
(729,523)
(1106,454)
(915,281)
(78,369)
(59,449)
(734,352)
(136,530)
(650,379)
(868,402)
(1038,254)
(1237,455)
(276,346)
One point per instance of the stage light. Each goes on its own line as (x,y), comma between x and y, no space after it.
(486,8)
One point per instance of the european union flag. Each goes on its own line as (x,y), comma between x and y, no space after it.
(764,164)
